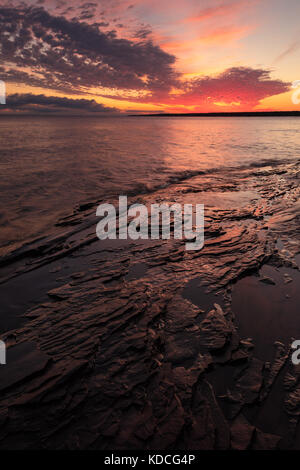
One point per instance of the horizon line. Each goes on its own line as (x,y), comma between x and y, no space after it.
(197,114)
(223,114)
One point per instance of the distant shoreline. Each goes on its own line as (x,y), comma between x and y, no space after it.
(233,114)
(123,115)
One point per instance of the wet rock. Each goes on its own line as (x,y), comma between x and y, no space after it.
(61,293)
(267,280)
(290,381)
(281,356)
(243,352)
(287,278)
(215,330)
(23,361)
(292,402)
(265,441)
(241,433)
(233,402)
(222,432)
(250,382)
(125,362)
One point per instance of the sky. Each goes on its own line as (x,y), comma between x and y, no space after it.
(141,56)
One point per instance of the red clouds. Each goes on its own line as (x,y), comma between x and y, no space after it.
(235,89)
(72,56)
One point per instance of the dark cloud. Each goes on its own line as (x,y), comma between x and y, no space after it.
(37,80)
(88,11)
(143,32)
(72,54)
(290,50)
(60,4)
(89,5)
(87,15)
(30,103)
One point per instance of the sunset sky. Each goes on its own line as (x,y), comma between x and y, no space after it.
(106,56)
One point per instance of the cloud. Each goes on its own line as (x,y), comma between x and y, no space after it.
(29,103)
(223,9)
(143,32)
(224,35)
(79,56)
(290,50)
(236,87)
(70,54)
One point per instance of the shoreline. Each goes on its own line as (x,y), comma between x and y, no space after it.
(224,114)
(140,334)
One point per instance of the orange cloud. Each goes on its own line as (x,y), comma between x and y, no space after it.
(219,36)
(220,10)
(223,103)
(237,88)
(224,35)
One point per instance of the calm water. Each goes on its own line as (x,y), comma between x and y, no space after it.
(49,164)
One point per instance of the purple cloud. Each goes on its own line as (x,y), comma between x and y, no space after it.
(71,54)
(30,103)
